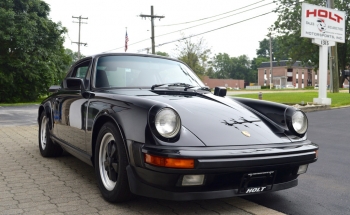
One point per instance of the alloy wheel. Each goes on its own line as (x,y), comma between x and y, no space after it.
(108,161)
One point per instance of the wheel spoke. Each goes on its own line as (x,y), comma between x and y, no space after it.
(115,167)
(112,174)
(113,150)
(109,148)
(106,164)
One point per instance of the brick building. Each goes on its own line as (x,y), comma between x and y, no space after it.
(295,75)
(212,83)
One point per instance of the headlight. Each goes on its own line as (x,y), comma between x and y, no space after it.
(299,122)
(167,123)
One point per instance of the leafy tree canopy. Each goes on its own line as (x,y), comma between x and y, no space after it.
(194,54)
(264,49)
(225,67)
(162,54)
(32,56)
(288,26)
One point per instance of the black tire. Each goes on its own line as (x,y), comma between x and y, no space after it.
(47,147)
(110,164)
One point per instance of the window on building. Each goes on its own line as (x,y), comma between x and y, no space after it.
(265,71)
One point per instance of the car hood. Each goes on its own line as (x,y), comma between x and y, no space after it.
(218,121)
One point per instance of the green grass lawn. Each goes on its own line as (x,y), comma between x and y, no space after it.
(38,101)
(338,99)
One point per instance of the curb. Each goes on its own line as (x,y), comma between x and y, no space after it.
(312,108)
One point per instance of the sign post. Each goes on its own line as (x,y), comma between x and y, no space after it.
(325,26)
(322,71)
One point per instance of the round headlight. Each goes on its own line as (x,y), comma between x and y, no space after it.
(167,123)
(299,122)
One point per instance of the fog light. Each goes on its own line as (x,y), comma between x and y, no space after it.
(191,180)
(302,169)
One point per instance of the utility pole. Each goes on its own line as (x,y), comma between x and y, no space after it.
(80,22)
(333,61)
(271,78)
(152,26)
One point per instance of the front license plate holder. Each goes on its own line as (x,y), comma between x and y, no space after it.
(257,182)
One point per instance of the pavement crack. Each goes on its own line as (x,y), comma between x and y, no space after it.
(167,206)
(200,205)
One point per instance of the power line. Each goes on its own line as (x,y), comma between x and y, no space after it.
(208,31)
(128,45)
(210,16)
(188,27)
(213,20)
(69,37)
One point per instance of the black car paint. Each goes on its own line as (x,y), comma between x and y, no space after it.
(75,121)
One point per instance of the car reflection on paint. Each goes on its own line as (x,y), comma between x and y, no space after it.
(150,127)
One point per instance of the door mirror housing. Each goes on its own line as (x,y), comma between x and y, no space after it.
(54,88)
(73,83)
(220,91)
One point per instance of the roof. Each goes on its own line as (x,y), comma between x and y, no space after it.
(128,54)
(283,63)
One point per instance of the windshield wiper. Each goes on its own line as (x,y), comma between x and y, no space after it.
(187,86)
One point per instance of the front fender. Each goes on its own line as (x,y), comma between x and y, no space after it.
(274,113)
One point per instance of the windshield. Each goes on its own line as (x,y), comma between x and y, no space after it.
(138,71)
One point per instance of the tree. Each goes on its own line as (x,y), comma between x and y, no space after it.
(256,62)
(32,56)
(222,65)
(162,54)
(194,54)
(73,57)
(264,49)
(225,67)
(288,25)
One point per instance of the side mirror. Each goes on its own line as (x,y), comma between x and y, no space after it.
(73,83)
(77,84)
(220,91)
(54,88)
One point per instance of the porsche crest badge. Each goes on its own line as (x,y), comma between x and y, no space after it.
(246,133)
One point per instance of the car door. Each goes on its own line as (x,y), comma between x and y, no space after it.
(71,125)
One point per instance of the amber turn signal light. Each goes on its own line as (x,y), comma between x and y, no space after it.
(178,163)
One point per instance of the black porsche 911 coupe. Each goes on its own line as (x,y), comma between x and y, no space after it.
(150,127)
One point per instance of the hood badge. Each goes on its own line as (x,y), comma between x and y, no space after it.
(246,133)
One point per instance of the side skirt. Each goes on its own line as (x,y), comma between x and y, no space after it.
(78,153)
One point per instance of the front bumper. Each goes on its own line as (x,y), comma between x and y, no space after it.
(224,169)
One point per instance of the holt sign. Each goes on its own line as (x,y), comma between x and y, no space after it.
(322,23)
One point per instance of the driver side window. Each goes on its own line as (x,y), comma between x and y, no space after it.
(81,70)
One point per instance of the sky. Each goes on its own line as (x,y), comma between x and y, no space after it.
(108,19)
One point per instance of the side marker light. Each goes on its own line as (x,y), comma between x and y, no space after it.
(179,163)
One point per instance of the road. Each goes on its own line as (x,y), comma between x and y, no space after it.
(19,115)
(324,189)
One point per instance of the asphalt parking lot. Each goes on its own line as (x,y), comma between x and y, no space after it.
(31,184)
